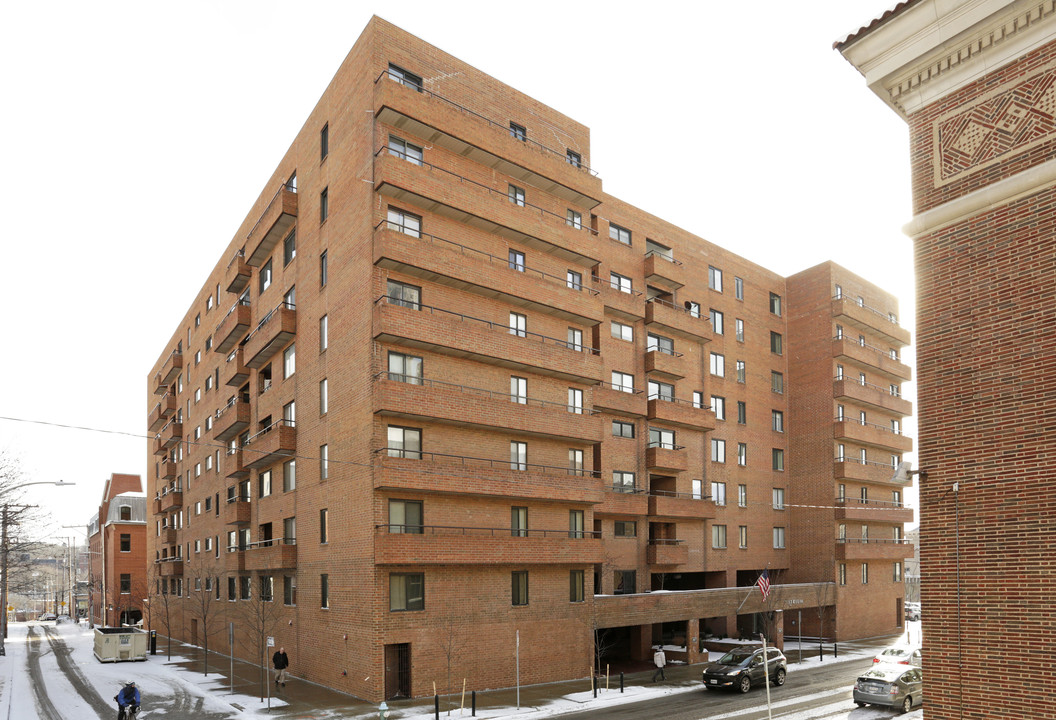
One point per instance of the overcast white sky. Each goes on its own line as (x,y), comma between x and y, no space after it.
(136,135)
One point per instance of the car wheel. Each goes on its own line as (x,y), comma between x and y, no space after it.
(859,704)
(907,704)
(779,677)
(745,684)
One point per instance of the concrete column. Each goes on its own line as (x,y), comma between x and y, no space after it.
(692,641)
(779,629)
(642,642)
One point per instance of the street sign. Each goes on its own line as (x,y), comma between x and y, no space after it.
(271,642)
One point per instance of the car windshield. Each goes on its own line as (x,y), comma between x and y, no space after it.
(895,652)
(734,657)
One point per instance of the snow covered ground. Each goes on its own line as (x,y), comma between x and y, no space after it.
(51,673)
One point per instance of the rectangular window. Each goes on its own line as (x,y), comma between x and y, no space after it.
(324,526)
(405,442)
(775,343)
(575,339)
(620,282)
(518,132)
(659,343)
(264,278)
(406,78)
(324,142)
(718,365)
(519,587)
(777,421)
(714,279)
(718,404)
(838,293)
(126,542)
(267,588)
(839,332)
(661,438)
(718,450)
(622,382)
(518,324)
(404,222)
(519,521)
(406,591)
(661,391)
(778,459)
(622,481)
(289,475)
(405,368)
(716,321)
(322,269)
(245,587)
(621,332)
(897,572)
(742,496)
(289,361)
(697,489)
(619,234)
(126,583)
(575,401)
(742,413)
(718,537)
(777,382)
(622,429)
(516,195)
(742,454)
(324,590)
(574,280)
(778,498)
(289,590)
(289,247)
(324,400)
(775,304)
(573,158)
(403,149)
(625,582)
(779,538)
(698,399)
(404,295)
(324,205)
(574,219)
(865,573)
(518,455)
(405,517)
(693,308)
(324,462)
(742,536)
(625,528)
(575,585)
(576,525)
(739,329)
(518,390)
(718,493)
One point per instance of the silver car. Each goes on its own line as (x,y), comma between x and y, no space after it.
(895,686)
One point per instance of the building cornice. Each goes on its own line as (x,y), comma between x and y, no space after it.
(936,47)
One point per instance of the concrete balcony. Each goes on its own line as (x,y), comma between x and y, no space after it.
(171,567)
(435,545)
(234,326)
(234,466)
(234,372)
(480,477)
(869,320)
(448,263)
(238,273)
(161,412)
(170,369)
(439,191)
(619,402)
(231,420)
(451,333)
(627,306)
(276,220)
(167,470)
(671,319)
(621,502)
(440,122)
(871,359)
(680,413)
(681,507)
(672,366)
(276,554)
(168,536)
(878,436)
(871,396)
(871,472)
(235,560)
(869,511)
(271,445)
(237,512)
(272,333)
(663,272)
(168,500)
(858,549)
(666,552)
(666,458)
(450,404)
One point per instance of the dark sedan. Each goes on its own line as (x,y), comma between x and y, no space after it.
(743,667)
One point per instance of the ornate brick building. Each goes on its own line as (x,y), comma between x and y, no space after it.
(975,82)
(441,389)
(117,546)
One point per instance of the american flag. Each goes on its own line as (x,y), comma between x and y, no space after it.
(764,584)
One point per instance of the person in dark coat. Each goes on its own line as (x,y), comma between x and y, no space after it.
(281,661)
(128,697)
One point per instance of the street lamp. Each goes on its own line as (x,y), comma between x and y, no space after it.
(4,552)
(91,582)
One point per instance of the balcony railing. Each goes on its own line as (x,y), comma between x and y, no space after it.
(274,330)
(490,394)
(486,462)
(238,272)
(277,218)
(503,532)
(687,323)
(275,442)
(233,326)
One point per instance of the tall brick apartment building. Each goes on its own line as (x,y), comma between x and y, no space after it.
(975,82)
(441,389)
(117,547)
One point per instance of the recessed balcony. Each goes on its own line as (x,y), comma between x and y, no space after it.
(446,403)
(663,271)
(667,552)
(870,395)
(483,477)
(612,399)
(272,333)
(680,506)
(234,466)
(448,263)
(665,457)
(238,273)
(628,305)
(436,190)
(276,554)
(869,320)
(170,567)
(665,364)
(622,500)
(231,419)
(872,358)
(237,511)
(451,333)
(671,319)
(436,545)
(436,119)
(171,368)
(161,412)
(233,327)
(235,560)
(879,436)
(870,511)
(234,373)
(273,444)
(680,413)
(871,549)
(276,220)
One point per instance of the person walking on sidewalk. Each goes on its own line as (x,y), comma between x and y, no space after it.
(659,659)
(281,661)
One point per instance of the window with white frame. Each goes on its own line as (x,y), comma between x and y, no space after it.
(718,493)
(622,481)
(621,331)
(778,498)
(518,455)
(716,321)
(516,261)
(714,279)
(575,401)
(620,282)
(779,538)
(718,537)
(574,218)
(718,450)
(518,390)
(518,324)
(661,390)
(739,329)
(742,454)
(619,234)
(403,149)
(404,222)
(718,364)
(622,381)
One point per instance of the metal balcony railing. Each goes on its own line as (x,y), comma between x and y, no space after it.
(412,454)
(491,394)
(468,531)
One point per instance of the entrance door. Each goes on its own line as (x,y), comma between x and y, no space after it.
(397,671)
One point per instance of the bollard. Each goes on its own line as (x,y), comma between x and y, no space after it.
(474,711)
(436,706)
(835,651)
(621,681)
(594,684)
(383,711)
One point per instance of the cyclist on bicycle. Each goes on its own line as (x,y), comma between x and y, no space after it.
(127,698)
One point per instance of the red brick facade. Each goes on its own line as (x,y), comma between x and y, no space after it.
(117,545)
(505,483)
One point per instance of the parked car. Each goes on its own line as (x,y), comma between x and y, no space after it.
(743,667)
(899,655)
(46,616)
(895,686)
(912,611)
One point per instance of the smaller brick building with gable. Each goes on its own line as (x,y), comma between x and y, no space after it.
(118,550)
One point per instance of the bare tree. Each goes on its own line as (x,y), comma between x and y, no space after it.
(161,601)
(202,602)
(258,615)
(450,638)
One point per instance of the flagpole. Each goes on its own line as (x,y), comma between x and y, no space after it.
(766,677)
